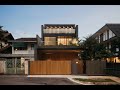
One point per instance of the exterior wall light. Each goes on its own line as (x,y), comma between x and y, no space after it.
(76,62)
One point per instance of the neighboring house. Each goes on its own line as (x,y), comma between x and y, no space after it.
(58,42)
(5,47)
(22,50)
(107,35)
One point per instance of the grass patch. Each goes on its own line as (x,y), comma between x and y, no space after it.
(94,80)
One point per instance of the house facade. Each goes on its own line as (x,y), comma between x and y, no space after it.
(55,52)
(57,48)
(109,35)
(22,51)
(58,41)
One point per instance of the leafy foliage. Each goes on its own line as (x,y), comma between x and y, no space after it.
(93,50)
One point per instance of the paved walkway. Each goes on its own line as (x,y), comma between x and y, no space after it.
(24,80)
(63,79)
(70,77)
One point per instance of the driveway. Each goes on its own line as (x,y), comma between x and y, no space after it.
(23,80)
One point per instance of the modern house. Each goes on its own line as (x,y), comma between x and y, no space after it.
(58,44)
(109,35)
(56,52)
(58,41)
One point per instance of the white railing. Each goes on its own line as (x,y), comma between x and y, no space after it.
(59,31)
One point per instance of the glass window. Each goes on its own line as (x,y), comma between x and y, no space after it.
(20,48)
(64,40)
(50,40)
(32,46)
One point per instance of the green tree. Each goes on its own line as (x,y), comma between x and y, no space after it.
(92,49)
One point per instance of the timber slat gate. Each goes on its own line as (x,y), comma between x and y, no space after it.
(49,67)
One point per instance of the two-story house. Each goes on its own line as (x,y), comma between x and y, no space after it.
(58,46)
(5,46)
(109,35)
(22,50)
(58,42)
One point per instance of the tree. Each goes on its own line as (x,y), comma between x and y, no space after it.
(92,49)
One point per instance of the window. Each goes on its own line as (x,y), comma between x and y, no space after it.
(50,40)
(63,40)
(32,46)
(107,34)
(20,48)
(101,37)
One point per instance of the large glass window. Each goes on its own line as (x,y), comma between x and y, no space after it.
(63,40)
(49,40)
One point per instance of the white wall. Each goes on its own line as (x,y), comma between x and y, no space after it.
(26,67)
(111,34)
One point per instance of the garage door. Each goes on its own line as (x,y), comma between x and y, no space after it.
(49,67)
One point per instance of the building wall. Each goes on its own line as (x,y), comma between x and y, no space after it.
(57,56)
(26,67)
(2,67)
(28,51)
(111,34)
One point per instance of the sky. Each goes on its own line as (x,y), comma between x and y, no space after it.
(26,20)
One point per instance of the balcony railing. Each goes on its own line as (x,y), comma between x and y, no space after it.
(16,55)
(56,43)
(59,31)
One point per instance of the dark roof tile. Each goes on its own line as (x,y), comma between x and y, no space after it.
(26,39)
(115,28)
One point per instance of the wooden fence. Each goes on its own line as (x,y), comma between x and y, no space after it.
(49,67)
(95,67)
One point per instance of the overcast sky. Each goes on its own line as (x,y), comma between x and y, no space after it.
(26,20)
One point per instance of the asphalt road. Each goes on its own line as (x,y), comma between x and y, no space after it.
(22,80)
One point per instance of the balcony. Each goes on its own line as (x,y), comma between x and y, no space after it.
(51,45)
(17,55)
(59,31)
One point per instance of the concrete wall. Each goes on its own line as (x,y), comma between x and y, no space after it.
(2,67)
(28,51)
(95,67)
(26,67)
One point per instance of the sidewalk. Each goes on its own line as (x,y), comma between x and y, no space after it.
(70,77)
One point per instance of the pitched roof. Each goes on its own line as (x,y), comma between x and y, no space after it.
(26,39)
(115,28)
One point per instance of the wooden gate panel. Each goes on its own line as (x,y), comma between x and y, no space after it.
(50,67)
